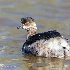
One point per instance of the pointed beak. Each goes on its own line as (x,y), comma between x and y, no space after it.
(21,26)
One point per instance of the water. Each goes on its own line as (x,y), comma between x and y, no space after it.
(48,14)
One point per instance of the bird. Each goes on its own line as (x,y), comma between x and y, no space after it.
(44,44)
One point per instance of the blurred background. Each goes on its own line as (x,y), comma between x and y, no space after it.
(49,15)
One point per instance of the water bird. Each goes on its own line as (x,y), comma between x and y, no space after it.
(45,44)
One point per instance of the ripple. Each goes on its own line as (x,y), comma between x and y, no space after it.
(9,4)
(12,66)
(8,22)
(67,62)
(39,64)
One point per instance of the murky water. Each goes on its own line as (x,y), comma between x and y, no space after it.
(48,14)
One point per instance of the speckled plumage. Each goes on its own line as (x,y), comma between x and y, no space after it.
(44,35)
(45,44)
(53,47)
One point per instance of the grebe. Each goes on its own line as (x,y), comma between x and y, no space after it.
(46,44)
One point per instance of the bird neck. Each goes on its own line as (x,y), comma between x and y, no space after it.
(31,32)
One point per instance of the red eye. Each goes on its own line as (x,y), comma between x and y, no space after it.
(26,24)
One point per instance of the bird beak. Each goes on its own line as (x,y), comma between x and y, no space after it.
(21,26)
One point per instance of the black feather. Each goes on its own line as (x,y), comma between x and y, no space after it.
(40,36)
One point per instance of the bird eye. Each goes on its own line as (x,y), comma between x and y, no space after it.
(26,24)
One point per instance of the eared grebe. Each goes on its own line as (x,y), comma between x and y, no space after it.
(46,44)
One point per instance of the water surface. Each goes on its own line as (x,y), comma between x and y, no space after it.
(49,15)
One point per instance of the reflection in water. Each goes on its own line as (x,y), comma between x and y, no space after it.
(49,14)
(38,63)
